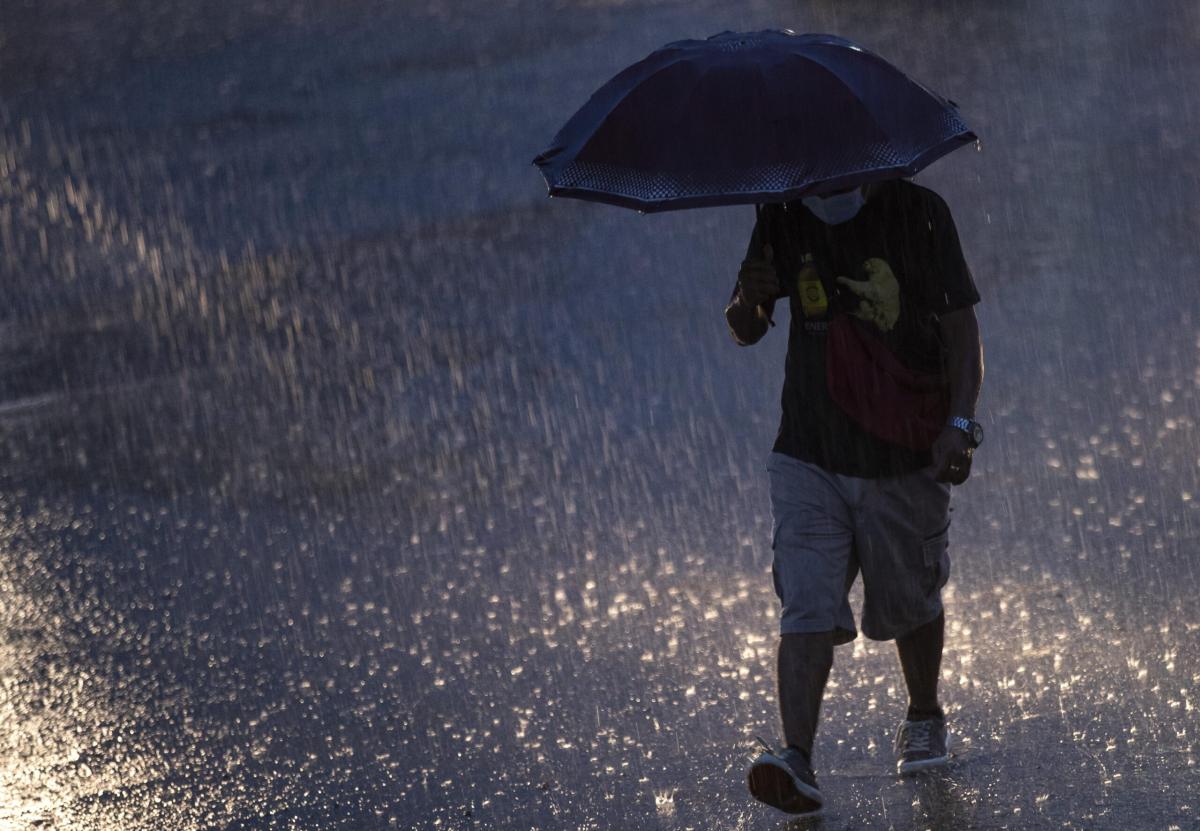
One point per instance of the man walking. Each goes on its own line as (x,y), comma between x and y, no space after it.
(883,370)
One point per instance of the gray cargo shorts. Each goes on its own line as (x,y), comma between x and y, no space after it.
(830,527)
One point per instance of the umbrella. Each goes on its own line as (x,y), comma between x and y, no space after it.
(749,118)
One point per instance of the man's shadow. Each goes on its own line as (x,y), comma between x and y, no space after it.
(939,800)
(943,802)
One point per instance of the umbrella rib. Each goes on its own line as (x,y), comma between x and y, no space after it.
(845,85)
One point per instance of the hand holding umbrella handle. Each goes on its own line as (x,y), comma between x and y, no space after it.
(760,224)
(758,284)
(760,310)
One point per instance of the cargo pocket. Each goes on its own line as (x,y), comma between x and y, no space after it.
(774,559)
(936,552)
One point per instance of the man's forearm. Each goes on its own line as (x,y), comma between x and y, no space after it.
(964,354)
(747,323)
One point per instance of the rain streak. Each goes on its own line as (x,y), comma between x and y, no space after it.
(349,482)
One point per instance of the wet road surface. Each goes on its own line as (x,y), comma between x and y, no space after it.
(350,483)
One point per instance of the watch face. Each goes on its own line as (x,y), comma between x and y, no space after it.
(977,433)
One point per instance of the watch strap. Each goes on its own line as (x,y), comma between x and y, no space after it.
(972,428)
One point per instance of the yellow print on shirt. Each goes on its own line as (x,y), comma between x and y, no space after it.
(812,294)
(878,295)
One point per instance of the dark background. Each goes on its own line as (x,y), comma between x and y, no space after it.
(348,482)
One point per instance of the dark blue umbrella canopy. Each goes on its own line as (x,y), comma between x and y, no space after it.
(748,118)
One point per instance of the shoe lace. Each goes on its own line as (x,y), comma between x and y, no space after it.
(915,737)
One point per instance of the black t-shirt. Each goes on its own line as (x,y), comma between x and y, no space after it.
(896,264)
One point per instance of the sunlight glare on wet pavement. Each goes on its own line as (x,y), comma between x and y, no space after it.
(350,483)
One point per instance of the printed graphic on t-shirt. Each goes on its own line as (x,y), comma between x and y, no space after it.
(812,294)
(878,295)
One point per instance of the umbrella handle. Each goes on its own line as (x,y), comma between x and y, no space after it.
(768,255)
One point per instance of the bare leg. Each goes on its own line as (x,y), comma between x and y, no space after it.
(921,659)
(804,663)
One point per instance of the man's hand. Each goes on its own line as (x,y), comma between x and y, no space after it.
(952,454)
(757,281)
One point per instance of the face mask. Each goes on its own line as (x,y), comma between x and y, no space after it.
(837,208)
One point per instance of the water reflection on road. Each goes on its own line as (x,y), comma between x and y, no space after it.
(348,483)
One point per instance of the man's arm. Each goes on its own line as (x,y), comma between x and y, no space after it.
(964,359)
(747,323)
(749,311)
(964,367)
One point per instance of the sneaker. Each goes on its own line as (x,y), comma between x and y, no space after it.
(784,779)
(922,744)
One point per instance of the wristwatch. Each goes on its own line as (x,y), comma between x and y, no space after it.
(973,429)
